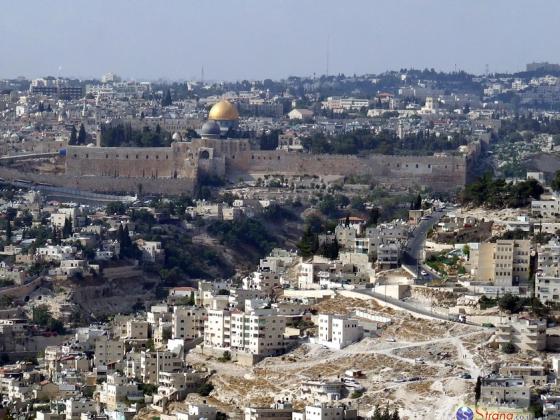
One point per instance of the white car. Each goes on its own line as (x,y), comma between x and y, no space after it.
(424,273)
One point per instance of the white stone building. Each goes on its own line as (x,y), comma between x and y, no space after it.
(337,331)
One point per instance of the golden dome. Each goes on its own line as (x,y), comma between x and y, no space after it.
(223,111)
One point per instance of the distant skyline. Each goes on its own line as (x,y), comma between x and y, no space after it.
(257,39)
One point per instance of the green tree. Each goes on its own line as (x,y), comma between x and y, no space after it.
(330,249)
(148,389)
(386,414)
(11,214)
(166,100)
(115,207)
(73,140)
(308,244)
(328,206)
(508,348)
(8,231)
(417,205)
(82,135)
(510,303)
(357,203)
(555,184)
(205,389)
(373,218)
(477,389)
(41,315)
(67,228)
(127,247)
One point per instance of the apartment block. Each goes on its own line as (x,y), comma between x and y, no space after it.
(152,363)
(263,280)
(137,330)
(197,412)
(256,331)
(187,322)
(548,208)
(547,279)
(337,331)
(524,334)
(259,332)
(504,263)
(117,389)
(500,391)
(327,412)
(531,375)
(108,351)
(277,411)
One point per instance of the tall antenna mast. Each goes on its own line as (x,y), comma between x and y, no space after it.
(202,75)
(328,52)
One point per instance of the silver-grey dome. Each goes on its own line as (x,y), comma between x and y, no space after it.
(210,129)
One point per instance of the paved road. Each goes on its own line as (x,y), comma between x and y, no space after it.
(404,305)
(412,257)
(71,193)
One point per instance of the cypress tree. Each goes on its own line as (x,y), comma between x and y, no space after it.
(73,137)
(477,389)
(373,216)
(166,100)
(82,135)
(9,232)
(309,243)
(67,228)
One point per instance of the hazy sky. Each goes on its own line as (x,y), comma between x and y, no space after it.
(248,39)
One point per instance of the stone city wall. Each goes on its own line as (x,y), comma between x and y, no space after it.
(134,162)
(233,158)
(436,172)
(22,290)
(105,184)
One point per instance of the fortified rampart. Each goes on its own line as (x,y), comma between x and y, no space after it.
(437,172)
(178,167)
(104,183)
